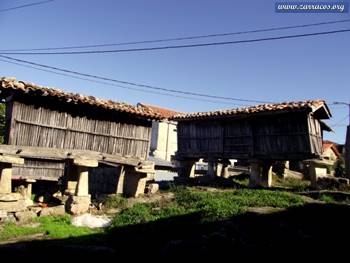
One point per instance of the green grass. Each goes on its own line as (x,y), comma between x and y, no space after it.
(327,198)
(293,183)
(10,230)
(61,227)
(210,205)
(51,226)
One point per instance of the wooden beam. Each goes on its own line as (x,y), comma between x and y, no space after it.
(86,162)
(11,159)
(63,154)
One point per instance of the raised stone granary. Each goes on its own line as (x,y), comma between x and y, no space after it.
(260,134)
(51,130)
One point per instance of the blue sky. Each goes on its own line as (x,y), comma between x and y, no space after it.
(283,70)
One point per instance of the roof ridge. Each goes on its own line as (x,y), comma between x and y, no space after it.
(27,87)
(266,107)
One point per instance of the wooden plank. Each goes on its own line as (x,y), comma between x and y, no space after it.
(86,162)
(11,159)
(78,130)
(63,154)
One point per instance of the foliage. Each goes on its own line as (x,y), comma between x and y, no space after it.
(339,167)
(115,201)
(210,205)
(294,183)
(327,198)
(51,226)
(61,227)
(11,230)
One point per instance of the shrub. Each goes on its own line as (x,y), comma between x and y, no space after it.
(116,201)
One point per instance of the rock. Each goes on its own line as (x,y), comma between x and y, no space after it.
(264,210)
(78,205)
(14,206)
(41,199)
(91,221)
(10,218)
(25,216)
(329,182)
(35,209)
(28,202)
(11,197)
(153,188)
(3,214)
(53,211)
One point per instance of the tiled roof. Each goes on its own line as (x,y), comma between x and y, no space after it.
(26,88)
(165,113)
(313,105)
(332,145)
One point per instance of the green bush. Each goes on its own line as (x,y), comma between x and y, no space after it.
(116,202)
(210,205)
(327,198)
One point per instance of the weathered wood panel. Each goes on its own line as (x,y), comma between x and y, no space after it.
(39,169)
(283,136)
(43,127)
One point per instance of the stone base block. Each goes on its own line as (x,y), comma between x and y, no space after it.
(25,216)
(53,211)
(78,205)
(152,188)
(10,197)
(330,182)
(3,214)
(14,206)
(135,185)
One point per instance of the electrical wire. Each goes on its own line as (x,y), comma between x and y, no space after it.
(133,83)
(180,38)
(179,46)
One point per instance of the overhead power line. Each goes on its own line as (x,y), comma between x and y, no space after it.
(340,122)
(120,86)
(181,38)
(179,46)
(27,5)
(203,95)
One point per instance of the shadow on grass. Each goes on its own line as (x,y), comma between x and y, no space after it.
(314,228)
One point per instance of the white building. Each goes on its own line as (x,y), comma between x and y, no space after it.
(164,134)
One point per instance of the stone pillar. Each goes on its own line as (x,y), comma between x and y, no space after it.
(225,172)
(212,168)
(260,174)
(79,203)
(187,168)
(313,174)
(120,180)
(254,178)
(82,188)
(135,184)
(266,175)
(29,188)
(224,169)
(135,179)
(219,167)
(5,178)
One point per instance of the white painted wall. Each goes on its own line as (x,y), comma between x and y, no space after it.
(163,140)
